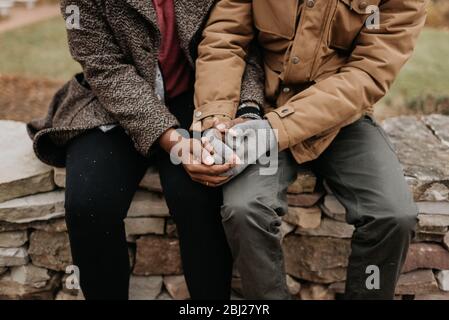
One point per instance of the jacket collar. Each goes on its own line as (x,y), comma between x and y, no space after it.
(190,16)
(145,9)
(195,10)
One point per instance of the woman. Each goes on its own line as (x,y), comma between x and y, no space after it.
(106,126)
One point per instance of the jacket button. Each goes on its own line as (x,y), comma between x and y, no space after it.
(198,114)
(295,60)
(286,90)
(310,3)
(363,5)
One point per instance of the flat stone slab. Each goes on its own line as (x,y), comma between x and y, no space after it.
(433,207)
(157,256)
(308,218)
(329,228)
(43,206)
(151,180)
(12,290)
(304,199)
(433,220)
(421,283)
(439,124)
(30,275)
(11,257)
(443,280)
(333,208)
(21,173)
(144,288)
(417,282)
(426,256)
(421,152)
(50,250)
(316,259)
(148,204)
(177,287)
(143,226)
(13,239)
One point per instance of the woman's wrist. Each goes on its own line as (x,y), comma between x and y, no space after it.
(169,139)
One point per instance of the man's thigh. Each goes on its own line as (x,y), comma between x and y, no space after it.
(256,184)
(364,172)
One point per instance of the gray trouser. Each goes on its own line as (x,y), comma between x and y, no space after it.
(364,173)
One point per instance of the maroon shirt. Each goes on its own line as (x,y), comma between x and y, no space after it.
(174,66)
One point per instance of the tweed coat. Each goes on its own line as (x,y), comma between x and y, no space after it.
(117,46)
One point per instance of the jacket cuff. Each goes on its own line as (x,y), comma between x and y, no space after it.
(281,134)
(201,114)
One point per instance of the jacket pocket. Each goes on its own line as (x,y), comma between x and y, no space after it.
(273,18)
(349,18)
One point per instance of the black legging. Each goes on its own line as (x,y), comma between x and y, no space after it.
(103,173)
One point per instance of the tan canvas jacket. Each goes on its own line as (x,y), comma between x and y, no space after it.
(326,62)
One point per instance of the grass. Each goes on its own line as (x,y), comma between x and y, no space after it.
(38,50)
(426,74)
(428,70)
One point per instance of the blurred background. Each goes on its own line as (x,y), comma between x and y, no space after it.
(34,62)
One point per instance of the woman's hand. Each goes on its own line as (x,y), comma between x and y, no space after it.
(197,160)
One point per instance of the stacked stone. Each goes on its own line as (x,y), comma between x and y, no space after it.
(35,251)
(317,257)
(34,245)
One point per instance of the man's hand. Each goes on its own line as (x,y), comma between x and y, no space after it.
(213,143)
(224,126)
(250,140)
(197,160)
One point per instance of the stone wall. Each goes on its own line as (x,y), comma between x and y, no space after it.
(34,247)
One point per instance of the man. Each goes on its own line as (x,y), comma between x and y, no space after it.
(327,63)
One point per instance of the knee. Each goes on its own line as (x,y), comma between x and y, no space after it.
(403,224)
(397,219)
(244,214)
(236,211)
(87,211)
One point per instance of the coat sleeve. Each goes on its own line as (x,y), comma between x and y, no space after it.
(253,83)
(222,55)
(376,60)
(128,97)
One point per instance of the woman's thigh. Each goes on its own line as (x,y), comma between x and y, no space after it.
(187,199)
(103,173)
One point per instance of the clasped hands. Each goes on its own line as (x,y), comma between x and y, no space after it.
(224,151)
